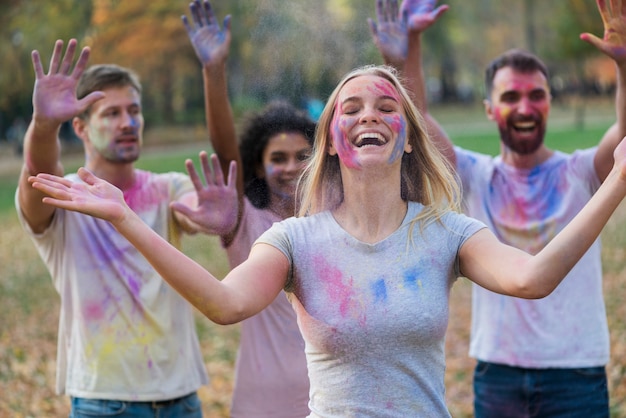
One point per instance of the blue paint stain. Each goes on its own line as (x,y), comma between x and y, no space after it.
(380,291)
(411,279)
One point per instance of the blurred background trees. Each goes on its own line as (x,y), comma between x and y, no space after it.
(295,50)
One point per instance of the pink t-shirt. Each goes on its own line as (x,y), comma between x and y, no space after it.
(271,377)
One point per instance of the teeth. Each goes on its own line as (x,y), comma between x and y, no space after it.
(370,138)
(525,125)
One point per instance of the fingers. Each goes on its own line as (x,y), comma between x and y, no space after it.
(56,57)
(182,209)
(232,174)
(81,64)
(87,176)
(68,58)
(209,16)
(193,175)
(37,64)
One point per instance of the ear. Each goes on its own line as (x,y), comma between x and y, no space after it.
(488,109)
(408,148)
(80,128)
(331,147)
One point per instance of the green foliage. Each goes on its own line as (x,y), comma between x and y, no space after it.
(292,50)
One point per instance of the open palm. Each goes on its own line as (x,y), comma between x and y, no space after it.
(210,42)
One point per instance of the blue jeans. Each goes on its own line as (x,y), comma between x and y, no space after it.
(514,392)
(186,407)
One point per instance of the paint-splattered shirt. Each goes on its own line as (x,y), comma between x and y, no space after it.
(271,378)
(123,332)
(373,316)
(526,209)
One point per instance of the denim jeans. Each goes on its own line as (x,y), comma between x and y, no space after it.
(186,407)
(513,392)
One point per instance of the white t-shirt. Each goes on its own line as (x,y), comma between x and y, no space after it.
(526,209)
(373,316)
(124,333)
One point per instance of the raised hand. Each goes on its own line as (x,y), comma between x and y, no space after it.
(390,32)
(421,14)
(54,95)
(209,41)
(94,197)
(613,13)
(217,202)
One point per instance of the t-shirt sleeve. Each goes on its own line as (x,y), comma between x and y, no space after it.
(582,165)
(469,165)
(463,227)
(278,237)
(180,184)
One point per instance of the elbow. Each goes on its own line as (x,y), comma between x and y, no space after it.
(531,288)
(222,316)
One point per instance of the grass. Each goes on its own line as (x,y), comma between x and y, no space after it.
(30,304)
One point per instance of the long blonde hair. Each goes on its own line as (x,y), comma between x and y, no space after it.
(426,176)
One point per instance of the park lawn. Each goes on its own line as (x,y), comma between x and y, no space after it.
(30,304)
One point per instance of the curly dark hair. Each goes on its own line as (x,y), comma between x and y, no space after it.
(258,127)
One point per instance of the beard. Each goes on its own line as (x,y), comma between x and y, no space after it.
(526,145)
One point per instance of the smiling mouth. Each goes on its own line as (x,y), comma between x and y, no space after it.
(525,127)
(370,138)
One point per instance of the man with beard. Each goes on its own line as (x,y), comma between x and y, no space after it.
(545,357)
(127,341)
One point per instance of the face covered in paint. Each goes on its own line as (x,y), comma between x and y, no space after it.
(369,123)
(520,104)
(283,160)
(114,127)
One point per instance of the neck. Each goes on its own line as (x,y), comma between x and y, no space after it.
(525,161)
(121,176)
(372,208)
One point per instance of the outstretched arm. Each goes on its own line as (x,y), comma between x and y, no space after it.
(510,271)
(54,102)
(613,45)
(211,44)
(397,35)
(244,292)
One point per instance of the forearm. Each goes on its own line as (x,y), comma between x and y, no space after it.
(203,290)
(414,75)
(42,148)
(620,99)
(219,115)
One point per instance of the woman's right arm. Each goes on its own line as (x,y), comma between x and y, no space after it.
(211,44)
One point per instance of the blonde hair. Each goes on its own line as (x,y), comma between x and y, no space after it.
(426,176)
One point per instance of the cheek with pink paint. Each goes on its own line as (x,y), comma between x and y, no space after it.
(339,128)
(397,123)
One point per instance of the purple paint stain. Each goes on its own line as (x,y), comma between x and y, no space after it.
(340,140)
(397,124)
(134,286)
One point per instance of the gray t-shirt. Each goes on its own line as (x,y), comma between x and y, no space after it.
(373,316)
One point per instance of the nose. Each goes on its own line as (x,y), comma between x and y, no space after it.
(293,165)
(128,121)
(369,115)
(525,106)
